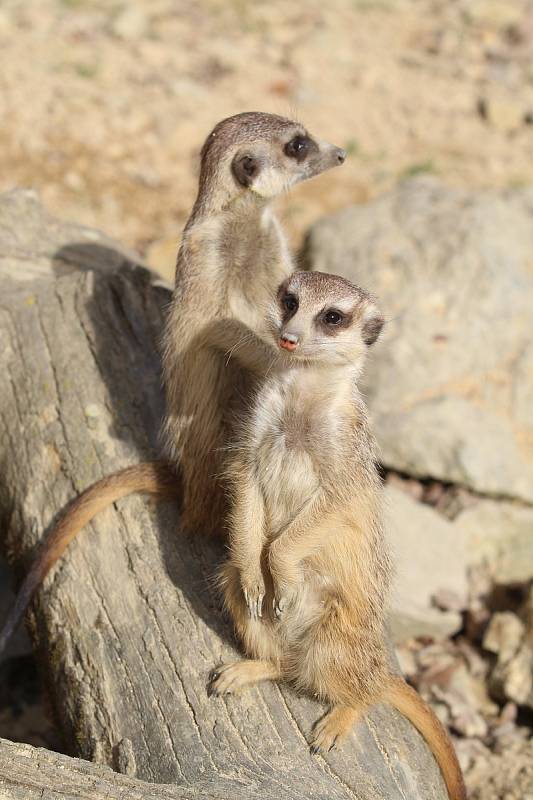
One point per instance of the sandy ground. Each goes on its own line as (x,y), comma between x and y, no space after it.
(104,104)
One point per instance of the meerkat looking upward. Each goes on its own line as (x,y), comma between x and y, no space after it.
(309,570)
(232,256)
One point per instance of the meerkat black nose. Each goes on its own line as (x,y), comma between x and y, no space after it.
(341,155)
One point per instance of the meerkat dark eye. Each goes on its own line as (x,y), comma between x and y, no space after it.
(297,148)
(290,302)
(332,318)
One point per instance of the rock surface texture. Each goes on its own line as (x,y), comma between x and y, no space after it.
(429,557)
(128,626)
(451,383)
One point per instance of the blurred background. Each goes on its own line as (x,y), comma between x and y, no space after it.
(104,106)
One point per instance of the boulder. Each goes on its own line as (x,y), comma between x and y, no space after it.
(499,534)
(450,385)
(429,555)
(433,556)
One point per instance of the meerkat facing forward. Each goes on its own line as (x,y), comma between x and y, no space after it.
(232,255)
(309,570)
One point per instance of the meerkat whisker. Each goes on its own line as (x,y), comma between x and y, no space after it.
(248,337)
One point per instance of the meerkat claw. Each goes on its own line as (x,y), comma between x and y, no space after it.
(318,748)
(254,601)
(280,605)
(334,726)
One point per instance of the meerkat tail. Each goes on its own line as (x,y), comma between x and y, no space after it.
(409,703)
(154,477)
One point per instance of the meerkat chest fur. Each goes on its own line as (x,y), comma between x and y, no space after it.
(298,424)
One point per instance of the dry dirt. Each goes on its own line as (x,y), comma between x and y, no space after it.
(105,104)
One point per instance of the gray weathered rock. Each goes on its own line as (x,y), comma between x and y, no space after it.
(46,247)
(504,635)
(433,556)
(451,384)
(512,676)
(429,554)
(501,535)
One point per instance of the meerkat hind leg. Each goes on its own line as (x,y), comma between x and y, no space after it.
(237,675)
(333,727)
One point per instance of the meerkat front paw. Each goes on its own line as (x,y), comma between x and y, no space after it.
(254,594)
(282,600)
(287,579)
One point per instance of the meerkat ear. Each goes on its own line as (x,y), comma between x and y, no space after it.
(372,325)
(245,167)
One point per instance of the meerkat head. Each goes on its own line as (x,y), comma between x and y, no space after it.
(263,154)
(324,318)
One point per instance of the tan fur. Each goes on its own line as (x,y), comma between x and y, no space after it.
(309,570)
(233,254)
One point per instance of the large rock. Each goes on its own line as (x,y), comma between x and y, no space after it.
(432,557)
(429,556)
(45,246)
(451,384)
(499,534)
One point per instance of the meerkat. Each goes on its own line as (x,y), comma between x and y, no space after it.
(309,571)
(232,255)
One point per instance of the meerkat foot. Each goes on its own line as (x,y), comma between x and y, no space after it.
(237,675)
(334,726)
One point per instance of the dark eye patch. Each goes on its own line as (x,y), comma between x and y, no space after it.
(330,320)
(299,147)
(289,304)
